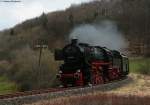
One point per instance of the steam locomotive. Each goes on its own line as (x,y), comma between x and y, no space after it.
(84,64)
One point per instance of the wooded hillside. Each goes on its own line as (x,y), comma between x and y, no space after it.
(132,18)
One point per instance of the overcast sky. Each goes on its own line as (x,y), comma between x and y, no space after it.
(14,13)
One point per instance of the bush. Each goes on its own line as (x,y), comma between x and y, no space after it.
(27,72)
(7,86)
(5,66)
(140,65)
(144,68)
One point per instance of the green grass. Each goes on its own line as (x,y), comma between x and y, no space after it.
(140,65)
(7,86)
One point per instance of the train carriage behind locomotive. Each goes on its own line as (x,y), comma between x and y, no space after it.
(84,64)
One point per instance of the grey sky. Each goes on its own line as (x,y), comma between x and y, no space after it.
(14,13)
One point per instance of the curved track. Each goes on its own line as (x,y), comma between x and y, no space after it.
(50,90)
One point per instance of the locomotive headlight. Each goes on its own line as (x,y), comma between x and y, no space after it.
(60,72)
(78,71)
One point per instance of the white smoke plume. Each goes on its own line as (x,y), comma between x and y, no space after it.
(105,34)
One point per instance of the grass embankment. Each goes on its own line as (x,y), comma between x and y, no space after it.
(140,65)
(7,86)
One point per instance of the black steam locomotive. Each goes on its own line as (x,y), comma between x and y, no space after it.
(86,65)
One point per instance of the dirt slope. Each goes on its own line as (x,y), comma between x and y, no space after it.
(139,84)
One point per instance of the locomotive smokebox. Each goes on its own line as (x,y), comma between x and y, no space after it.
(74,41)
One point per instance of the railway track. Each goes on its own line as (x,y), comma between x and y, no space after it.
(102,87)
(28,93)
